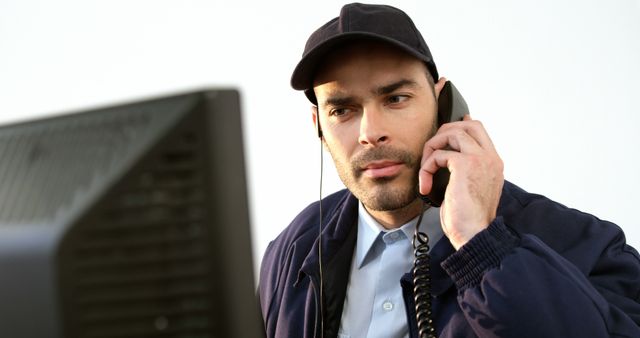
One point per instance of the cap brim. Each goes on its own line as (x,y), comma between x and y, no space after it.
(303,74)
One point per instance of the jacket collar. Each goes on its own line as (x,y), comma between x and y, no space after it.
(338,222)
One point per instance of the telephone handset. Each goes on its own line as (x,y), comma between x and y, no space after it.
(451,107)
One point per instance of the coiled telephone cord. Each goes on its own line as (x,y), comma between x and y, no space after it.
(422,282)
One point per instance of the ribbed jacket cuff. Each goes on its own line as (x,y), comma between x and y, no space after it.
(483,252)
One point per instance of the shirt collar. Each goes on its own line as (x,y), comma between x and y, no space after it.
(370,232)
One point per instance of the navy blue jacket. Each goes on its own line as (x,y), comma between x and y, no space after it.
(539,270)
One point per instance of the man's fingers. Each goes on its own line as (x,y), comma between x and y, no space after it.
(438,159)
(456,140)
(474,128)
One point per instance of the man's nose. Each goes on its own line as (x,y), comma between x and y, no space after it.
(373,130)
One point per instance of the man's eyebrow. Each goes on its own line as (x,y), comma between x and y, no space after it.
(390,88)
(338,100)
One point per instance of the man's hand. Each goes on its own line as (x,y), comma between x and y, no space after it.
(475,186)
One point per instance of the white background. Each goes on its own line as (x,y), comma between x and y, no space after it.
(556,84)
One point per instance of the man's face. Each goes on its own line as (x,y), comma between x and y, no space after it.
(377,108)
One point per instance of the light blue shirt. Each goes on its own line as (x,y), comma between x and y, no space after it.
(374,306)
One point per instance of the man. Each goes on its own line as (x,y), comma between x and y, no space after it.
(503,262)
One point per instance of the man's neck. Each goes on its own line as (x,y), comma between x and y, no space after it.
(396,218)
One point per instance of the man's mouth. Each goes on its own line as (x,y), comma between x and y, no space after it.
(379,169)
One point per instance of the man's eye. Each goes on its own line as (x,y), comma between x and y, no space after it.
(339,111)
(397,98)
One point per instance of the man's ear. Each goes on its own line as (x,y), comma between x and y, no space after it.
(439,85)
(316,120)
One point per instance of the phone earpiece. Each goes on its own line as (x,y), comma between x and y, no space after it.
(444,104)
(317,121)
(319,129)
(451,105)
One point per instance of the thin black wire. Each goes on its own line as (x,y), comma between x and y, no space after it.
(422,282)
(320,244)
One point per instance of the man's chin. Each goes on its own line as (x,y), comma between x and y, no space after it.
(386,198)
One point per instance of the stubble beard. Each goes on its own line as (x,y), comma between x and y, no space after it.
(386,193)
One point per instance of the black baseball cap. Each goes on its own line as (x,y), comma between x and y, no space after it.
(360,22)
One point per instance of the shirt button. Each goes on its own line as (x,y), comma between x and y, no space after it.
(387,306)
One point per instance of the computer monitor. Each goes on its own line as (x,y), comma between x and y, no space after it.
(128,221)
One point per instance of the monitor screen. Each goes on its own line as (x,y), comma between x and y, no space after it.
(128,221)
